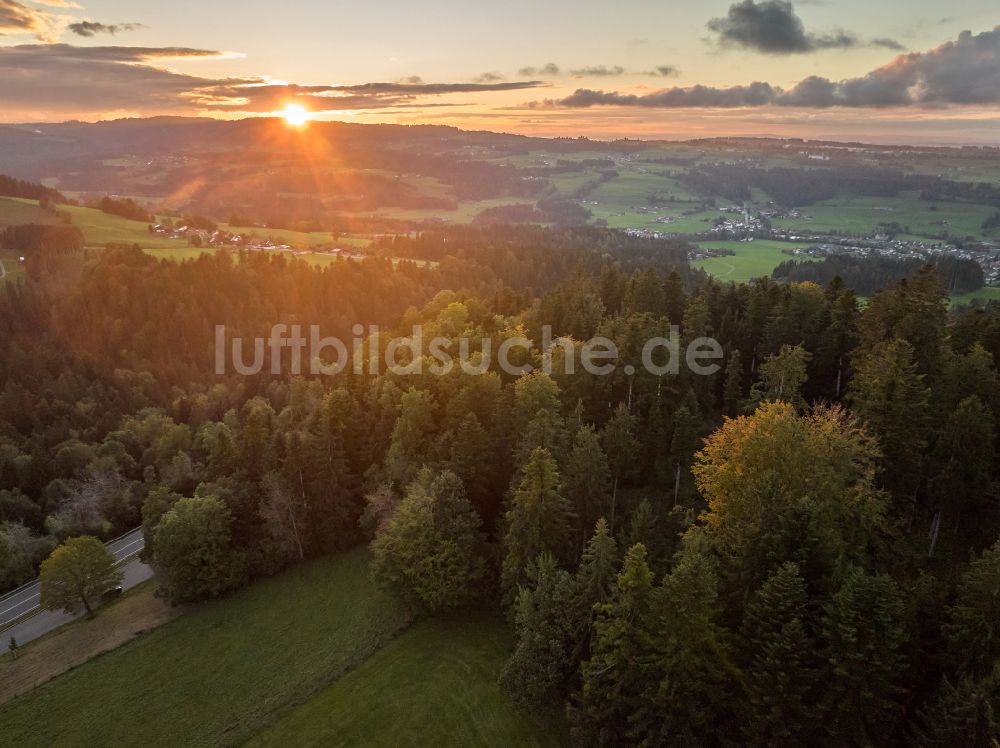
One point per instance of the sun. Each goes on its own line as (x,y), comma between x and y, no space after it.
(296,115)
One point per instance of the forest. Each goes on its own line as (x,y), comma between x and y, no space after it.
(799,549)
(867,275)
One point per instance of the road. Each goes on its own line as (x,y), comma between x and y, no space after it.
(25,600)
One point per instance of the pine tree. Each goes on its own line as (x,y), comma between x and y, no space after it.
(540,520)
(683,445)
(889,394)
(783,375)
(587,483)
(409,448)
(732,392)
(973,628)
(963,456)
(622,448)
(863,632)
(693,703)
(966,714)
(676,299)
(537,674)
(618,677)
(780,672)
(326,474)
(471,461)
(598,569)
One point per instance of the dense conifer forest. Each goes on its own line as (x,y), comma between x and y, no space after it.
(801,548)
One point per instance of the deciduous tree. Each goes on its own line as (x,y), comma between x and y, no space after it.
(77,575)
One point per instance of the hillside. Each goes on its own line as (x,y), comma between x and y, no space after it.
(373,178)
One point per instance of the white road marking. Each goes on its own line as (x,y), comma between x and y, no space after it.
(19,604)
(35,597)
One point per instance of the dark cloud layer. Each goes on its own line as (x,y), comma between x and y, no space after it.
(66,79)
(961,72)
(772,27)
(664,71)
(92,28)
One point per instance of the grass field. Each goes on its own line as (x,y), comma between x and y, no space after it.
(220,673)
(751,259)
(984,294)
(314,656)
(13,269)
(14,211)
(436,685)
(860,215)
(136,611)
(101,228)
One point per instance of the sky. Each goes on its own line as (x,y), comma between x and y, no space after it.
(886,71)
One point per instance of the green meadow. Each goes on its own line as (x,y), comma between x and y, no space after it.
(984,295)
(860,215)
(14,211)
(313,656)
(434,685)
(222,671)
(750,259)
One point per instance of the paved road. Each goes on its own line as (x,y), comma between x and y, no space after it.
(48,620)
(26,599)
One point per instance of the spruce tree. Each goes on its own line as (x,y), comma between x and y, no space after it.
(537,674)
(618,678)
(540,520)
(780,671)
(587,483)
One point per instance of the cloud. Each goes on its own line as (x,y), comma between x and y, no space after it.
(92,28)
(489,77)
(887,43)
(18,18)
(598,71)
(595,71)
(261,96)
(426,89)
(548,69)
(756,94)
(772,27)
(60,80)
(961,72)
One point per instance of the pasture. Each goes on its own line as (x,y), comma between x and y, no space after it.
(222,671)
(751,259)
(438,680)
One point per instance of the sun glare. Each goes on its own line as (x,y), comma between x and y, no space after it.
(295,115)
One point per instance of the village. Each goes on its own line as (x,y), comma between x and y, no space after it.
(203,237)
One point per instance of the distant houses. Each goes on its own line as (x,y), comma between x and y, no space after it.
(251,242)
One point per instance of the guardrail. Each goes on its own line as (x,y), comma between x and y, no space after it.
(28,614)
(25,586)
